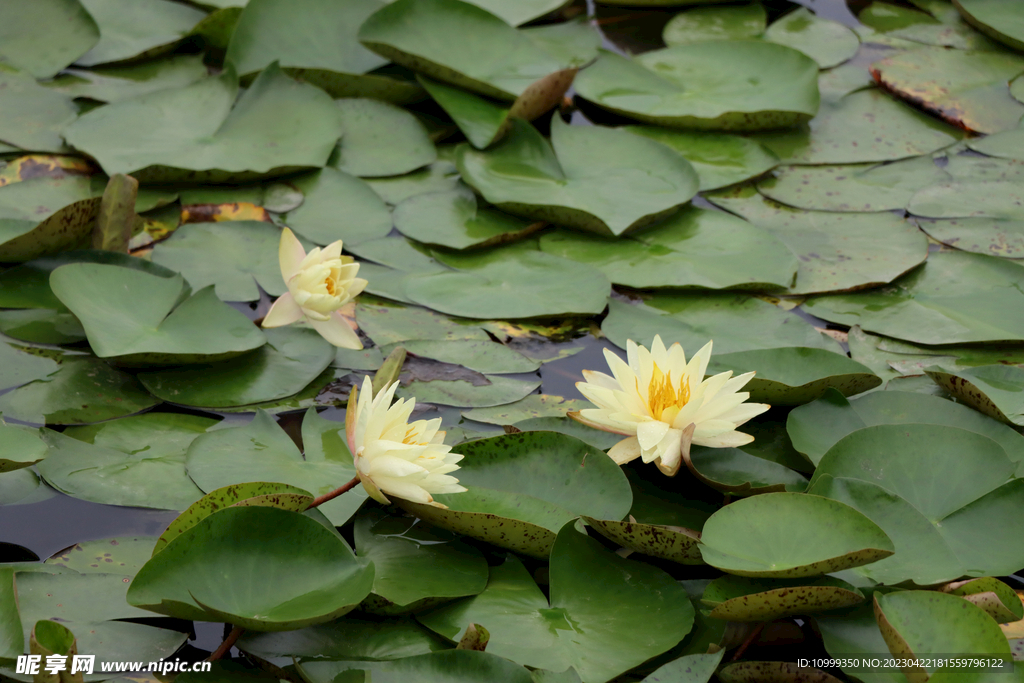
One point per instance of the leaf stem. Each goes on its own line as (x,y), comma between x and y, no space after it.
(334,494)
(225,647)
(750,639)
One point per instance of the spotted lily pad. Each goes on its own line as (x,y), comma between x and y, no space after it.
(137,29)
(195,134)
(791,535)
(572,629)
(70,29)
(308,574)
(455,219)
(707,85)
(913,480)
(738,598)
(138,318)
(731,22)
(47,215)
(518,497)
(693,248)
(992,389)
(598,179)
(991,595)
(106,556)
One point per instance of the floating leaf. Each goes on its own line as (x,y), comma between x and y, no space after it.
(754,672)
(389,324)
(714,85)
(454,219)
(533,406)
(652,612)
(19,366)
(852,633)
(955,297)
(598,179)
(991,595)
(827,42)
(524,487)
(351,636)
(47,215)
(136,317)
(307,575)
(1002,20)
(478,355)
(693,248)
(31,116)
(193,134)
(439,176)
(991,389)
(106,556)
(738,598)
(716,23)
(736,472)
(125,82)
(23,487)
(936,505)
(967,89)
(520,12)
(69,29)
(455,666)
(482,392)
(1009,144)
(791,535)
(12,641)
(262,452)
(137,29)
(338,206)
(380,139)
(19,447)
(837,251)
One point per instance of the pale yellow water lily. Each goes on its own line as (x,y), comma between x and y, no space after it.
(663,404)
(319,283)
(394,457)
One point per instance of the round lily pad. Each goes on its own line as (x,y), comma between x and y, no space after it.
(827,42)
(739,598)
(692,248)
(455,220)
(137,30)
(598,179)
(518,495)
(69,28)
(380,139)
(307,574)
(533,406)
(738,85)
(791,535)
(1002,20)
(732,22)
(45,216)
(138,318)
(476,391)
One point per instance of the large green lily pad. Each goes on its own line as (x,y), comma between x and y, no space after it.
(125,82)
(1002,20)
(736,472)
(456,220)
(573,629)
(732,22)
(955,297)
(19,366)
(693,248)
(380,139)
(31,116)
(967,89)
(69,28)
(991,389)
(137,30)
(740,85)
(263,451)
(307,574)
(827,42)
(598,179)
(198,133)
(315,43)
(818,426)
(136,462)
(44,216)
(138,318)
(337,206)
(453,666)
(738,598)
(524,487)
(791,535)
(937,506)
(491,58)
(476,390)
(510,283)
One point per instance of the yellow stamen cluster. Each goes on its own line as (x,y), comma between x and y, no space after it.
(661,395)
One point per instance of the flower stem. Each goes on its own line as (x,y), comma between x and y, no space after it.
(225,647)
(334,494)
(750,639)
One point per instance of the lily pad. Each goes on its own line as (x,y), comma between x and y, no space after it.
(1000,199)
(791,535)
(520,12)
(307,574)
(350,636)
(454,219)
(652,611)
(967,89)
(956,297)
(380,139)
(70,29)
(478,355)
(818,426)
(106,556)
(337,206)
(531,407)
(82,390)
(23,487)
(735,322)
(937,506)
(19,366)
(827,42)
(991,595)
(125,82)
(11,639)
(994,390)
(719,159)
(263,451)
(414,566)
(315,43)
(510,283)
(1008,144)
(439,176)
(20,447)
(31,116)
(735,472)
(733,22)
(733,85)
(866,125)
(481,391)
(491,58)
(137,29)
(738,598)
(693,248)
(138,318)
(136,462)
(518,495)
(837,251)
(194,134)
(291,359)
(47,215)
(1002,20)
(453,666)
(598,179)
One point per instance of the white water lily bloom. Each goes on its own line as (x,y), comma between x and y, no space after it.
(393,457)
(664,404)
(319,283)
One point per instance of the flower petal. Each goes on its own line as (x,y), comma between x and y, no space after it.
(650,433)
(725,440)
(290,254)
(336,330)
(625,450)
(284,312)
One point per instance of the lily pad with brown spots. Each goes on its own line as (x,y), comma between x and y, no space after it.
(737,598)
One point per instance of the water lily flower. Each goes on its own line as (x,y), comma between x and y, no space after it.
(664,404)
(319,283)
(393,457)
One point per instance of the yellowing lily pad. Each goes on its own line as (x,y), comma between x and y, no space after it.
(45,216)
(991,389)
